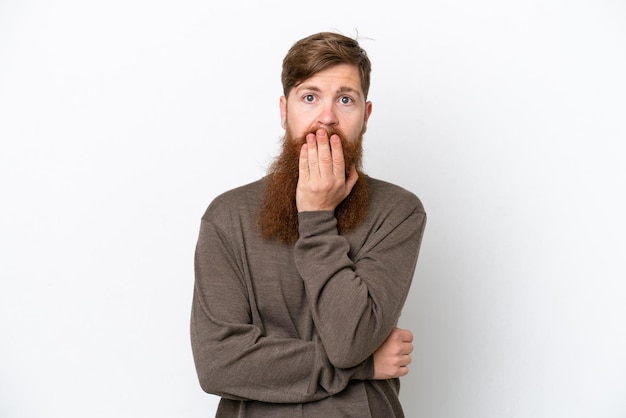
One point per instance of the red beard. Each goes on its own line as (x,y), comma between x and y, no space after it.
(278,215)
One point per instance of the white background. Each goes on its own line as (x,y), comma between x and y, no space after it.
(121,120)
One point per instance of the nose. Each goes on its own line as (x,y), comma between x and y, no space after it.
(327,116)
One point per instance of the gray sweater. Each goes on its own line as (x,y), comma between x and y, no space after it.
(289,330)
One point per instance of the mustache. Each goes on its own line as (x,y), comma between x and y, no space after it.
(278,215)
(352,149)
(329,131)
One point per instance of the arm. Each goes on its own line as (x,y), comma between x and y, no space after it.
(355,299)
(356,302)
(233,357)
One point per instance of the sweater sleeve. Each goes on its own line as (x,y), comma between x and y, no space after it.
(356,299)
(233,357)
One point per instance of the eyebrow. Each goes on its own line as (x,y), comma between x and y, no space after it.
(342,89)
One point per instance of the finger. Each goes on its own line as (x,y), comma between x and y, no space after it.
(324,153)
(406,348)
(408,359)
(312,155)
(339,164)
(304,162)
(405,359)
(406,335)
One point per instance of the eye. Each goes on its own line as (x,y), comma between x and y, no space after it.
(309,98)
(345,100)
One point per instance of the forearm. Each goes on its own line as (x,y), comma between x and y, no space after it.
(236,361)
(356,303)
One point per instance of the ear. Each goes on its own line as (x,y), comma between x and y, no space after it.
(368,112)
(283,111)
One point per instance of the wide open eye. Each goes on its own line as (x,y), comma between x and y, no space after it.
(345,100)
(309,98)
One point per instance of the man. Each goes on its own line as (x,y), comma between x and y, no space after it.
(301,276)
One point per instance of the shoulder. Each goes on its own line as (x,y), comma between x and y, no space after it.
(386,194)
(242,198)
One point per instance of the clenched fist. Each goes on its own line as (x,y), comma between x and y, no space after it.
(392,358)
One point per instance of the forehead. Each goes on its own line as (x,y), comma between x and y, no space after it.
(338,78)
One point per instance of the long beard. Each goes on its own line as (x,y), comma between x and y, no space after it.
(278,214)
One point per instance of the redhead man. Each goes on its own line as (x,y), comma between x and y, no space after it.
(301,276)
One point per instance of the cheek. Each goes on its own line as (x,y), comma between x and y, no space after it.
(300,127)
(355,131)
(353,123)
